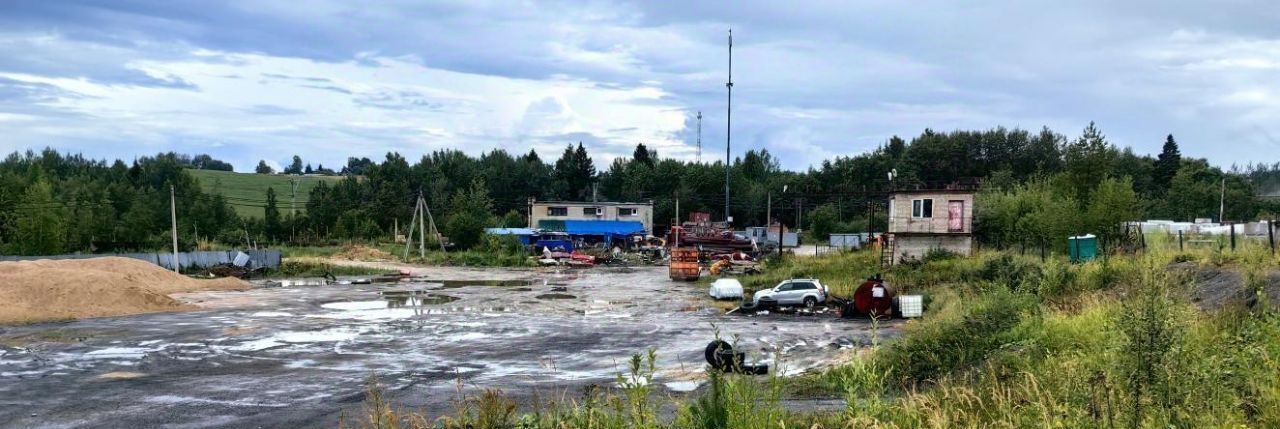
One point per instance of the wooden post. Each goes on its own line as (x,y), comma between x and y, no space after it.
(408,238)
(1232,226)
(422,229)
(1180,248)
(1271,234)
(173,219)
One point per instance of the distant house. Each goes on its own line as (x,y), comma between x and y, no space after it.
(921,220)
(553,215)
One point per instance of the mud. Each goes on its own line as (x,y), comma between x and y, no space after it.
(299,356)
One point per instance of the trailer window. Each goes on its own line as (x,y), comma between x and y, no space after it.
(922,208)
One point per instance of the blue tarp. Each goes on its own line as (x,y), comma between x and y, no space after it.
(604,227)
(525,235)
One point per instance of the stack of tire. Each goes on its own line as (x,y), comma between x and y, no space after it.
(684,264)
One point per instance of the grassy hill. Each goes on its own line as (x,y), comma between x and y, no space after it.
(247,192)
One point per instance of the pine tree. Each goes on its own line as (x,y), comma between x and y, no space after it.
(643,155)
(1167,164)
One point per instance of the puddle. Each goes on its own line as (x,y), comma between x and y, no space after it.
(555,296)
(454,284)
(413,298)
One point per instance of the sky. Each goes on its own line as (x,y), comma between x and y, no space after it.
(256,79)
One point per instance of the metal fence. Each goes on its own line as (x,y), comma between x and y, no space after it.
(202,259)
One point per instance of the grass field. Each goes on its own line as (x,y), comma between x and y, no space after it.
(247,192)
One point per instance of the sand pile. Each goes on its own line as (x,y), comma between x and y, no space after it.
(363,253)
(32,291)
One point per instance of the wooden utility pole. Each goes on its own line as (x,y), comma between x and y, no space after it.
(293,208)
(768,212)
(408,242)
(173,219)
(434,230)
(422,230)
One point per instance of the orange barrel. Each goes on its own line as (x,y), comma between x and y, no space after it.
(685,271)
(684,254)
(874,298)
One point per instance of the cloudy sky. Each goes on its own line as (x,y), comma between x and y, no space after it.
(250,80)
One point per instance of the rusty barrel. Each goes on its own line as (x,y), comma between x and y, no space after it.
(685,270)
(684,254)
(874,298)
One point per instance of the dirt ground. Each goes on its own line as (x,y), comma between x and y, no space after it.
(299,356)
(45,290)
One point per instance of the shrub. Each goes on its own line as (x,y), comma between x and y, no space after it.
(957,339)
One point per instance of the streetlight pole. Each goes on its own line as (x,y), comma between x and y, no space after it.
(728,125)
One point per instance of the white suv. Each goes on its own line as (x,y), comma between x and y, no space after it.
(806,292)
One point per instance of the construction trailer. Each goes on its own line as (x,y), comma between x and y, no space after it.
(921,220)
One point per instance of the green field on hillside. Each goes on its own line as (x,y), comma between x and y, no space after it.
(247,192)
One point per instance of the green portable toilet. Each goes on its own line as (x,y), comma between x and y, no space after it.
(1083,247)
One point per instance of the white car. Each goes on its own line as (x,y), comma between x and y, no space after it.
(806,292)
(726,288)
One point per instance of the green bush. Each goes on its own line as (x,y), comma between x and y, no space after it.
(959,338)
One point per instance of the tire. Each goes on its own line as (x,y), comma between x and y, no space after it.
(712,350)
(810,302)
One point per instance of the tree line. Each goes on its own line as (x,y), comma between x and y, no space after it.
(1031,179)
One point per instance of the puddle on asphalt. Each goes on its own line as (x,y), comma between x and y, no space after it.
(413,298)
(555,296)
(392,299)
(454,284)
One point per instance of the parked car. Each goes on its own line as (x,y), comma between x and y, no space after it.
(726,288)
(806,292)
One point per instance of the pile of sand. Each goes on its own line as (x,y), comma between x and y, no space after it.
(363,253)
(33,291)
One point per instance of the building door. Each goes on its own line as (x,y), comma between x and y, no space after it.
(955,216)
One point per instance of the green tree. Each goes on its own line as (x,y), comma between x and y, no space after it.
(1088,160)
(513,219)
(575,173)
(1167,164)
(263,168)
(1112,203)
(471,213)
(644,155)
(295,167)
(271,216)
(40,229)
(823,221)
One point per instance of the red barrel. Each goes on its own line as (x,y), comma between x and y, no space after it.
(874,298)
(685,270)
(684,254)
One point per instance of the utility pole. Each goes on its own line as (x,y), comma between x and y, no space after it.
(768,211)
(699,158)
(434,231)
(1222,201)
(422,230)
(173,219)
(408,239)
(293,207)
(728,125)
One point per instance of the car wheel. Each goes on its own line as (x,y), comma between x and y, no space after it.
(810,302)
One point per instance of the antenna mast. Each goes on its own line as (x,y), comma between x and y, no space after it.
(699,159)
(728,125)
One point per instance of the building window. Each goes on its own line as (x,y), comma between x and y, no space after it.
(591,211)
(557,211)
(628,211)
(922,208)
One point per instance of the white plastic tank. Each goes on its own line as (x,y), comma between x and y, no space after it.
(911,305)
